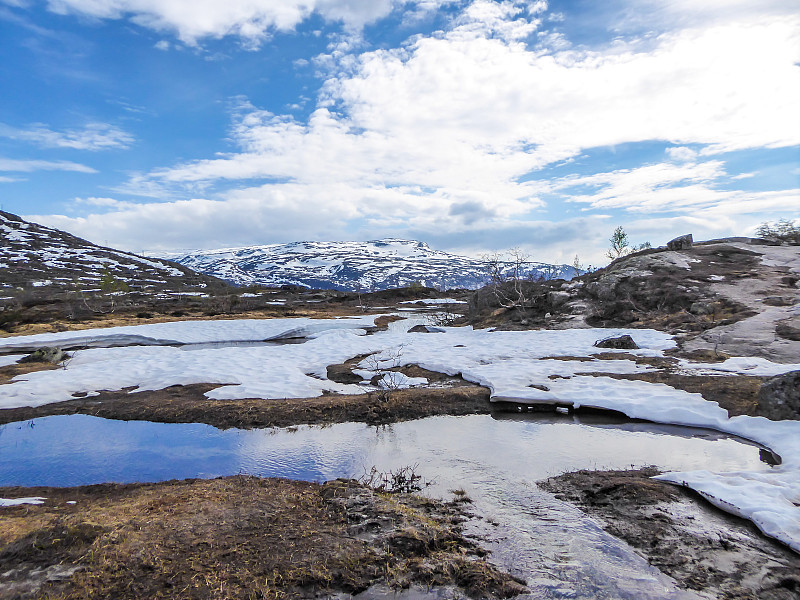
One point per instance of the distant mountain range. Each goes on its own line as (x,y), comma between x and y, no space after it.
(41,260)
(352,266)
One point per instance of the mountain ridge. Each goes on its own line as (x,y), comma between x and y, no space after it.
(354,266)
(36,258)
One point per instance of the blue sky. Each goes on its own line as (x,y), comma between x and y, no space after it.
(469,124)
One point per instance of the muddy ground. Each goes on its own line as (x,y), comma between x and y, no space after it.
(235,537)
(56,313)
(187,404)
(713,553)
(445,395)
(738,394)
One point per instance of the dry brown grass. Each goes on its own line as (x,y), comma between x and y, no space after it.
(236,537)
(123,319)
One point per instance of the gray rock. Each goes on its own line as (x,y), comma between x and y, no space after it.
(426,329)
(779,397)
(622,342)
(789,330)
(46,354)
(700,308)
(557,298)
(680,243)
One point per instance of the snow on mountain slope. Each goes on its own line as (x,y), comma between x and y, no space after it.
(353,266)
(45,260)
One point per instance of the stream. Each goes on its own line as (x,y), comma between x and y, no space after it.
(558,550)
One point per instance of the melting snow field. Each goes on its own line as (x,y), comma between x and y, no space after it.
(515,366)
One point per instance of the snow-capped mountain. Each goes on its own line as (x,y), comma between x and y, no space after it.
(40,259)
(352,266)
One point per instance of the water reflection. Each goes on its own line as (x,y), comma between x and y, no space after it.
(78,449)
(559,551)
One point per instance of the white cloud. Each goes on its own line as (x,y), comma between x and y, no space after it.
(162,45)
(469,112)
(94,136)
(435,137)
(668,188)
(27,166)
(9,179)
(681,154)
(252,20)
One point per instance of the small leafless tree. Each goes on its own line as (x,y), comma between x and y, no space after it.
(386,375)
(784,230)
(509,276)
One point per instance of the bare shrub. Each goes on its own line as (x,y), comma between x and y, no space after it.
(404,480)
(782,231)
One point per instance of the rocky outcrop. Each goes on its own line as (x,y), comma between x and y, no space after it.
(622,342)
(425,329)
(683,242)
(779,397)
(46,354)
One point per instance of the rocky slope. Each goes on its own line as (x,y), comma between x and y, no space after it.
(735,296)
(35,257)
(353,266)
(47,273)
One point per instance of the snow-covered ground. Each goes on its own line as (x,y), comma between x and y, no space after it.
(514,365)
(435,301)
(18,501)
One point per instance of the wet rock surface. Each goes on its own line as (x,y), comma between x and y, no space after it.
(779,397)
(703,549)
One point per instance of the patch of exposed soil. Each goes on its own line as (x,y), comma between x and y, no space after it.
(738,394)
(127,317)
(188,404)
(705,550)
(235,537)
(8,372)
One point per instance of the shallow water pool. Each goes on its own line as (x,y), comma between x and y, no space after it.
(79,449)
(559,551)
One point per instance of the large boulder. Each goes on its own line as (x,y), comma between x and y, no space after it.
(680,243)
(622,342)
(46,354)
(426,329)
(558,298)
(779,397)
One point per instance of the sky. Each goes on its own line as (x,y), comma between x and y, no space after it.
(472,125)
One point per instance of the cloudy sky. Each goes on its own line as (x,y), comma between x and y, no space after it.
(473,125)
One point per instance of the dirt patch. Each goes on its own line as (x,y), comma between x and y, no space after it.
(101,321)
(8,372)
(703,549)
(188,404)
(236,537)
(738,394)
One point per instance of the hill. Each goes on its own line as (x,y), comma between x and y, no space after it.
(42,267)
(737,296)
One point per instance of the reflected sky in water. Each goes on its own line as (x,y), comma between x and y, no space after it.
(78,449)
